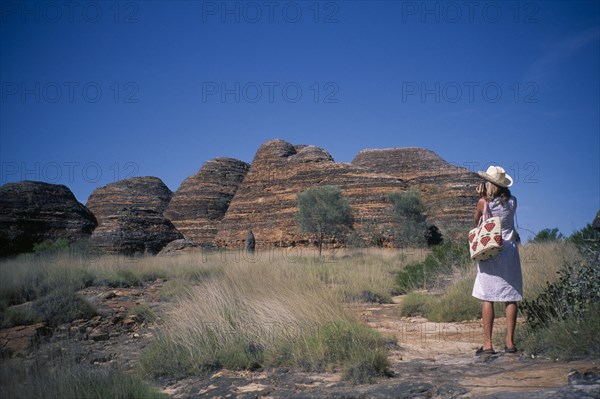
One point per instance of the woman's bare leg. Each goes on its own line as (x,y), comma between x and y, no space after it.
(511,322)
(487,311)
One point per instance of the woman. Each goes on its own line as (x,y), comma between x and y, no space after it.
(499,278)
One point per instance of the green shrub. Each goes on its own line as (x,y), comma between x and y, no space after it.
(435,269)
(457,304)
(416,304)
(62,307)
(366,367)
(569,338)
(563,320)
(587,240)
(65,381)
(142,313)
(333,344)
(49,246)
(36,278)
(18,316)
(572,296)
(121,278)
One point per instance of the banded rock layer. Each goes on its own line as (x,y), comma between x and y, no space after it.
(447,191)
(201,201)
(32,212)
(265,202)
(130,216)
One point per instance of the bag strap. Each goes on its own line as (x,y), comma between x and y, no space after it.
(486,210)
(516,220)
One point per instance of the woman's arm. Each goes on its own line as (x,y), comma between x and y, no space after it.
(479,210)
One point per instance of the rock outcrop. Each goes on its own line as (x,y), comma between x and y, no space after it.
(201,201)
(265,202)
(227,198)
(18,341)
(32,212)
(147,192)
(129,214)
(180,246)
(447,191)
(250,244)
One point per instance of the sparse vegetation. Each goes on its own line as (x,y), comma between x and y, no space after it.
(456,304)
(561,281)
(275,309)
(294,320)
(450,297)
(563,319)
(361,277)
(17,316)
(436,270)
(142,313)
(63,306)
(416,304)
(63,379)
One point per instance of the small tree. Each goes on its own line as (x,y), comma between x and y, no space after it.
(409,215)
(548,235)
(323,211)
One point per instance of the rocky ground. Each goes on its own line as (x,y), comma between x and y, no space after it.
(429,360)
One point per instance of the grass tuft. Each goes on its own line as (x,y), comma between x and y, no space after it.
(259,315)
(457,304)
(67,381)
(62,307)
(435,269)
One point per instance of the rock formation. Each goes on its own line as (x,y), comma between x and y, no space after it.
(201,201)
(136,193)
(447,191)
(227,198)
(180,246)
(266,200)
(32,212)
(250,244)
(129,214)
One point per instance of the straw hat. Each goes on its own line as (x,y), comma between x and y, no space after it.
(497,175)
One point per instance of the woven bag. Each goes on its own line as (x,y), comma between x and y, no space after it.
(485,240)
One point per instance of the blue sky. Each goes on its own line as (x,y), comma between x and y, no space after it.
(97,91)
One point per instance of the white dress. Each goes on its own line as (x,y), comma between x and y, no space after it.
(499,279)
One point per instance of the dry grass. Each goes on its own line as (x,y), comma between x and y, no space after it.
(62,377)
(539,265)
(361,276)
(235,310)
(264,313)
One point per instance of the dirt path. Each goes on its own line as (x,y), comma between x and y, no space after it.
(444,352)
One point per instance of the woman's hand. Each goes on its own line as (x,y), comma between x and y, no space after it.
(481,190)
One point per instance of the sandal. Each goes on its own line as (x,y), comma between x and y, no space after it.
(510,350)
(482,351)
